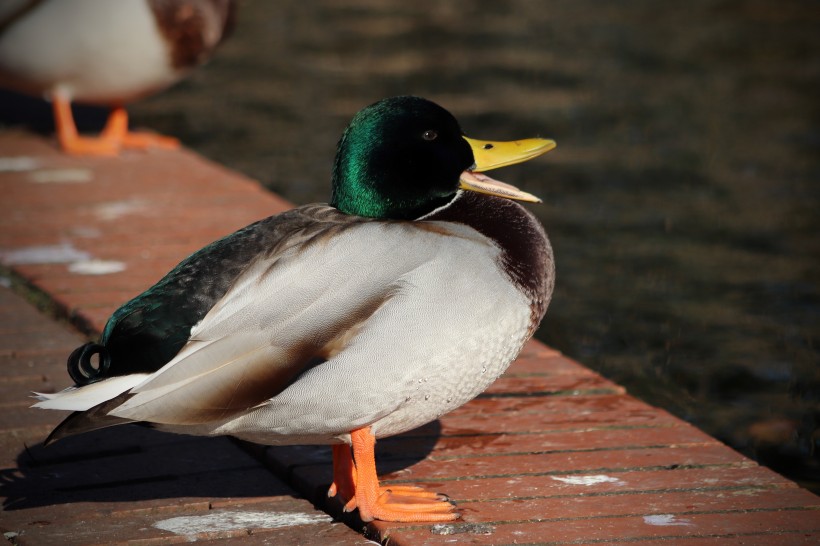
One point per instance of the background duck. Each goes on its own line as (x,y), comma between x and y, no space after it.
(402,299)
(108,54)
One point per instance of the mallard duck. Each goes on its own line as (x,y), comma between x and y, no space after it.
(340,323)
(105,53)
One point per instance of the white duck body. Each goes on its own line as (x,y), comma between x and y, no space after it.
(436,358)
(353,323)
(102,51)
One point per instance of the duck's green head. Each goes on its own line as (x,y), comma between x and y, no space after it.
(403,157)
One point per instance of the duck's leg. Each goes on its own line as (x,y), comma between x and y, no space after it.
(116,129)
(404,504)
(344,481)
(344,476)
(70,141)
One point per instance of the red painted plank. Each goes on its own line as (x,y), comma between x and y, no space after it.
(637,504)
(310,461)
(755,527)
(719,479)
(551,413)
(533,385)
(569,439)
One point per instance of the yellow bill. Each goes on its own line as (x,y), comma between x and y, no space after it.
(492,155)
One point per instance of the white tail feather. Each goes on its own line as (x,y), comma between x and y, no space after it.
(86,397)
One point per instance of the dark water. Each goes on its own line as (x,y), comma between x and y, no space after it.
(682,200)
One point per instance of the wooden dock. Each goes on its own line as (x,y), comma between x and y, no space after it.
(552,453)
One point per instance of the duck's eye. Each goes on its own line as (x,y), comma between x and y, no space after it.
(429,135)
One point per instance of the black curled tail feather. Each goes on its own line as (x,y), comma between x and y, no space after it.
(80,367)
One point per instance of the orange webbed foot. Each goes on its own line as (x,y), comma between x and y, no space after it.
(144,141)
(116,130)
(89,146)
(114,137)
(391,503)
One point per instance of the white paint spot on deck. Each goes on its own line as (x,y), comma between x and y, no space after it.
(62,176)
(593,479)
(85,232)
(18,164)
(462,528)
(96,267)
(229,521)
(117,209)
(667,520)
(81,262)
(46,254)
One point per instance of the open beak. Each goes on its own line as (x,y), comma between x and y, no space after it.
(492,155)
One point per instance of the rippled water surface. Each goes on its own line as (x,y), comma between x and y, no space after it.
(682,200)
